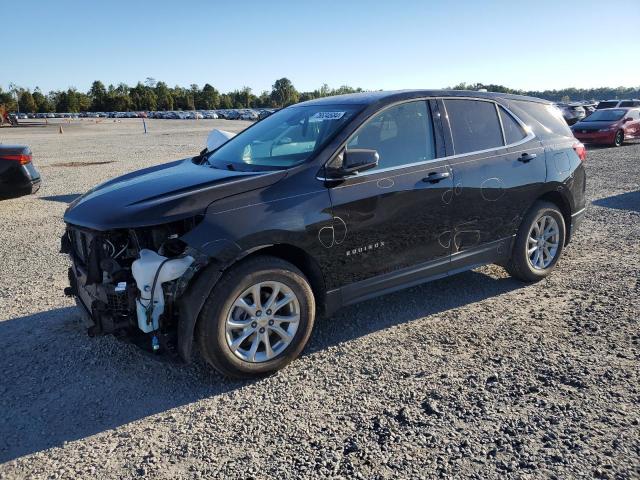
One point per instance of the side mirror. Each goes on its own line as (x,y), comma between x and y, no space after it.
(628,119)
(350,162)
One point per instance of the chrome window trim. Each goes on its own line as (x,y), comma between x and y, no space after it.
(504,135)
(530,136)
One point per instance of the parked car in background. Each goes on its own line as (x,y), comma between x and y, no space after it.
(608,104)
(248,115)
(609,126)
(629,103)
(323,204)
(589,108)
(572,112)
(264,113)
(18,174)
(232,114)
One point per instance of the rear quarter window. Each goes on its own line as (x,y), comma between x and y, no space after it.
(513,132)
(548,117)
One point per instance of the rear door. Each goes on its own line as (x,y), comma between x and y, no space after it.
(498,169)
(394,215)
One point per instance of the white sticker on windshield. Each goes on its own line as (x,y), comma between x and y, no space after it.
(328,115)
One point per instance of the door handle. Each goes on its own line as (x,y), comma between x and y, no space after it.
(526,157)
(435,177)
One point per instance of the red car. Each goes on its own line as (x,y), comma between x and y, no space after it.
(610,126)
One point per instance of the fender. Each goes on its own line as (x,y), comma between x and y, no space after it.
(222,253)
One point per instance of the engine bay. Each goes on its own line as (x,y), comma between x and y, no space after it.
(128,280)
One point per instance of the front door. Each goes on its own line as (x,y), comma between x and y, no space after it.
(393,217)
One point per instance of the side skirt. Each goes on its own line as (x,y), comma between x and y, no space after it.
(493,252)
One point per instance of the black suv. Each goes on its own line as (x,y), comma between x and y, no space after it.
(322,204)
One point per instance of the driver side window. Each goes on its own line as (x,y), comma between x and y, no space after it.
(401,135)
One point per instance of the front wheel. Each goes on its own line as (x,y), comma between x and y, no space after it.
(257,319)
(618,139)
(539,243)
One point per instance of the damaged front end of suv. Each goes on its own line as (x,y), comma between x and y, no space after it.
(133,273)
(129,281)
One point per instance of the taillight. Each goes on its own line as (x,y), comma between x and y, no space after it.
(580,150)
(23,159)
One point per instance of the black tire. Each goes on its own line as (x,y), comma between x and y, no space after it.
(619,139)
(212,320)
(519,265)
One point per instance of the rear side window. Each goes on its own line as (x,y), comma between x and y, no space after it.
(629,103)
(513,132)
(548,116)
(474,125)
(401,135)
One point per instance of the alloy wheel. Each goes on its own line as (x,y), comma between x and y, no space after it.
(619,138)
(262,321)
(542,242)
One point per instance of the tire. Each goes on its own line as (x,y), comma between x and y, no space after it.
(619,139)
(224,310)
(521,265)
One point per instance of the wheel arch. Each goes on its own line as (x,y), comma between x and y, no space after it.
(300,259)
(563,204)
(191,302)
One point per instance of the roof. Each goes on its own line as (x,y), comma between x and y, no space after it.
(369,98)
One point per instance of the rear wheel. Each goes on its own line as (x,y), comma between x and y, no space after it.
(539,243)
(257,319)
(619,139)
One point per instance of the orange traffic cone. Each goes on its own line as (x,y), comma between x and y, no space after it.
(60,129)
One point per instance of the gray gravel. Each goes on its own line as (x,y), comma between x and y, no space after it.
(475,376)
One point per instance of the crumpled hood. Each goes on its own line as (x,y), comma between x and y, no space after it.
(161,194)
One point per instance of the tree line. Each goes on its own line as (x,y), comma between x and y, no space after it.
(152,95)
(562,95)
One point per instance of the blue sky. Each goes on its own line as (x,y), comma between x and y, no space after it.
(537,44)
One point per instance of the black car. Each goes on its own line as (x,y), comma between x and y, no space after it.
(322,204)
(18,174)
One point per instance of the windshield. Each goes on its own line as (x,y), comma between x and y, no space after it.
(606,115)
(284,139)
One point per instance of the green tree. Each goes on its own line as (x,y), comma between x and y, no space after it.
(27,102)
(8,101)
(98,95)
(247,97)
(143,97)
(226,101)
(164,96)
(284,93)
(118,99)
(209,98)
(264,100)
(42,103)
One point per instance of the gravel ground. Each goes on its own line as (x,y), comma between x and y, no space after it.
(475,376)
